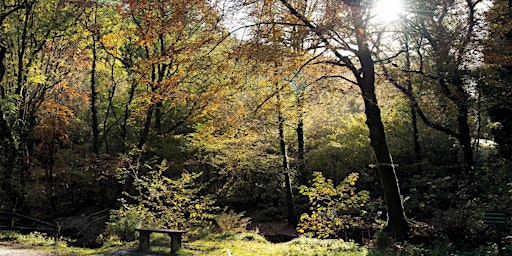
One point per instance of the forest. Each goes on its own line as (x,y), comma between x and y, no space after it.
(361,120)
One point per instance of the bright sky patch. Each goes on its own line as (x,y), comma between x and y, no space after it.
(387,10)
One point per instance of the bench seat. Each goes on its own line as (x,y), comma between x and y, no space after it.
(175,235)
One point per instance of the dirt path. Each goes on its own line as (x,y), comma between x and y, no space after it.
(5,251)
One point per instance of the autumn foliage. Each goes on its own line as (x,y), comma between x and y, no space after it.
(273,108)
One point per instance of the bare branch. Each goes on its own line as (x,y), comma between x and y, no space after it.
(336,76)
(322,37)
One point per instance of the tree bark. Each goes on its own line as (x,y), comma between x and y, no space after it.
(94,95)
(144,134)
(286,166)
(124,127)
(3,52)
(303,176)
(397,222)
(412,109)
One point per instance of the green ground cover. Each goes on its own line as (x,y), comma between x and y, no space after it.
(246,244)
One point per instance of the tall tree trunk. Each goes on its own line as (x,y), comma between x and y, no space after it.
(397,222)
(416,138)
(298,47)
(22,50)
(161,69)
(303,176)
(412,109)
(124,127)
(3,52)
(158,117)
(460,99)
(8,162)
(25,121)
(110,106)
(144,134)
(465,139)
(286,166)
(51,180)
(94,95)
(448,55)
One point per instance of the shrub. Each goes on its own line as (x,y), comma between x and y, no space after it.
(162,202)
(232,222)
(333,209)
(124,221)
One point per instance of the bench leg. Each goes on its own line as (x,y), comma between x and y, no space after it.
(56,239)
(175,243)
(144,241)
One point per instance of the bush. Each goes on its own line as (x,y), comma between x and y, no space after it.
(333,209)
(232,222)
(123,223)
(162,202)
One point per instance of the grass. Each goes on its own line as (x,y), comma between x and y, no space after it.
(45,244)
(247,244)
(251,244)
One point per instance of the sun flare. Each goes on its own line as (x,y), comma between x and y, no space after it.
(387,10)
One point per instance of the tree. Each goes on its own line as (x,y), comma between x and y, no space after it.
(340,29)
(94,94)
(31,65)
(168,51)
(447,31)
(497,74)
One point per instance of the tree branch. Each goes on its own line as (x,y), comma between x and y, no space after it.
(409,94)
(320,34)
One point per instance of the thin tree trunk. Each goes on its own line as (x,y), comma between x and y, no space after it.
(94,95)
(158,117)
(124,129)
(22,50)
(412,108)
(3,53)
(416,138)
(460,99)
(303,176)
(144,134)
(109,107)
(286,166)
(162,68)
(465,138)
(25,121)
(51,180)
(298,47)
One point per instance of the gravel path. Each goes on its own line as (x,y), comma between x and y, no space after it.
(7,251)
(11,251)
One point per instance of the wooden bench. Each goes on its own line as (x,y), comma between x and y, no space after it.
(498,219)
(174,234)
